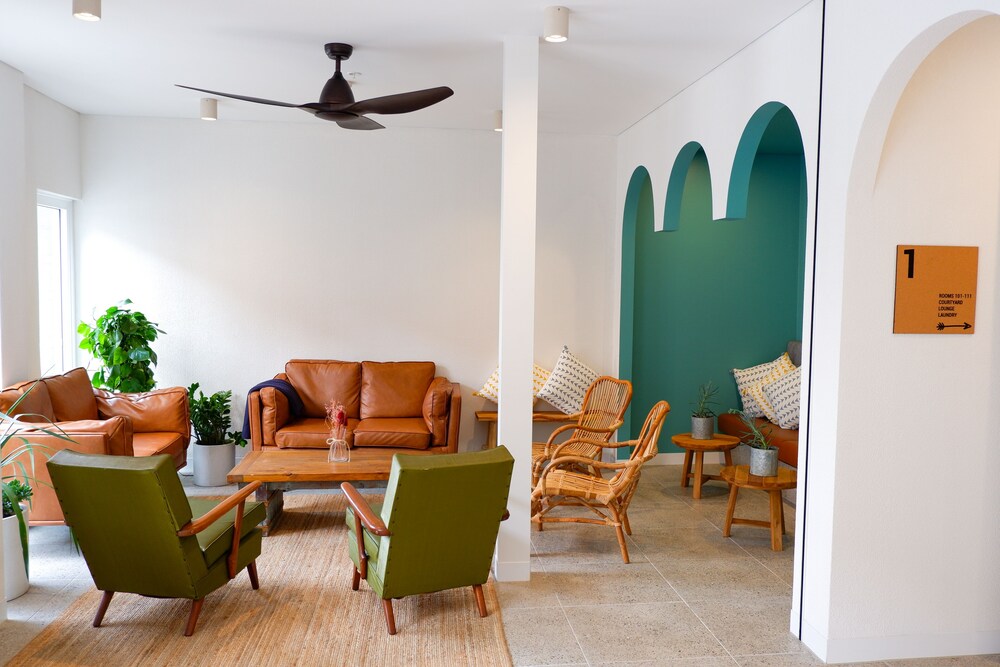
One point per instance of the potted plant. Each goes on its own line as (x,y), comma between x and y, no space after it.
(763,455)
(703,416)
(17,458)
(119,340)
(214,449)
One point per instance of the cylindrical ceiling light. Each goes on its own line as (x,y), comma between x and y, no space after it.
(498,121)
(209,108)
(556,24)
(87,10)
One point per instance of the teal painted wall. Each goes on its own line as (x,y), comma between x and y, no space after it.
(714,295)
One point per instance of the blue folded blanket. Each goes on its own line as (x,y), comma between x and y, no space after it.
(294,401)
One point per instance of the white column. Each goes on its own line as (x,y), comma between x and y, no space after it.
(517,294)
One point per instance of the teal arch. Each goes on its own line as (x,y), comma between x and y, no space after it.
(675,184)
(746,152)
(638,211)
(704,296)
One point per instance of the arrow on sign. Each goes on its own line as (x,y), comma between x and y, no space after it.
(941,326)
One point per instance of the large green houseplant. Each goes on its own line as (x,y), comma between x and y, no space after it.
(214,450)
(119,339)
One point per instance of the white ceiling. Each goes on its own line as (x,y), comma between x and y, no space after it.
(624,58)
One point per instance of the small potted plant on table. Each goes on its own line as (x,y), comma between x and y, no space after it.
(703,416)
(763,455)
(214,450)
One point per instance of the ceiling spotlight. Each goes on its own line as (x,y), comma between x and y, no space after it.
(209,108)
(556,24)
(87,10)
(498,121)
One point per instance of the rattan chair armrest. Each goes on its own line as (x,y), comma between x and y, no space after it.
(195,526)
(552,437)
(373,522)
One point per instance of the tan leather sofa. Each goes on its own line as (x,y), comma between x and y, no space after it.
(389,404)
(98,422)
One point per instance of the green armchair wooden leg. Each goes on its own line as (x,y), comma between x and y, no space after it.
(193,617)
(252,573)
(356,580)
(102,608)
(390,620)
(480,600)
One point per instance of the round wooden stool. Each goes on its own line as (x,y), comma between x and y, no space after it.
(694,448)
(739,476)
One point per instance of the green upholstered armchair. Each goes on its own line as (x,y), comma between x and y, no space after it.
(135,527)
(436,529)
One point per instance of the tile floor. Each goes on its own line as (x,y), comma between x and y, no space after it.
(689,598)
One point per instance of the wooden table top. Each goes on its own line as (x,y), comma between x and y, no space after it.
(719,442)
(310,465)
(740,476)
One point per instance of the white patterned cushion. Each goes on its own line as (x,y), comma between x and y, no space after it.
(761,374)
(783,397)
(491,388)
(568,383)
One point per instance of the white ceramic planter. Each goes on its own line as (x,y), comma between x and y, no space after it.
(15,578)
(212,463)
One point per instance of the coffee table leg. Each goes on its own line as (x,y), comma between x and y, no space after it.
(777,521)
(274,502)
(699,463)
(686,470)
(728,454)
(730,508)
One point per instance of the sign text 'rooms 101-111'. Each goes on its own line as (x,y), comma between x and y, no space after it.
(936,289)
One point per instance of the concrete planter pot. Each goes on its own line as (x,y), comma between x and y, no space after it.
(212,463)
(702,428)
(15,577)
(763,462)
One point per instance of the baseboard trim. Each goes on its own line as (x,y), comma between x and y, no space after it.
(511,571)
(898,647)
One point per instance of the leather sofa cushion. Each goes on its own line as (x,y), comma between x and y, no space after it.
(394,388)
(408,432)
(309,433)
(151,411)
(160,442)
(319,381)
(72,396)
(216,540)
(36,406)
(786,440)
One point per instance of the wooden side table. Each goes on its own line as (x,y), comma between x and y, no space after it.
(694,448)
(739,476)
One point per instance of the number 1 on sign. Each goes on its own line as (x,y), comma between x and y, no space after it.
(909,252)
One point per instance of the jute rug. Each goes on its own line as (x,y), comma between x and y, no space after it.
(305,613)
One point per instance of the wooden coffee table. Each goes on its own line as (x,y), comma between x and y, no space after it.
(739,476)
(281,470)
(695,448)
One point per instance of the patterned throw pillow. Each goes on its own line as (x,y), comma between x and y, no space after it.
(568,383)
(491,388)
(783,396)
(761,374)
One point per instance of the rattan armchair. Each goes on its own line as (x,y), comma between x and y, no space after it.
(604,404)
(563,484)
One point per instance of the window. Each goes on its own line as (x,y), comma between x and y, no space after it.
(55,303)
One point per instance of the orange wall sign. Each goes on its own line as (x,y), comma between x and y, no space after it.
(936,289)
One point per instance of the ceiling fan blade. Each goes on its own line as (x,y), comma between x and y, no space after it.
(402,102)
(258,100)
(360,123)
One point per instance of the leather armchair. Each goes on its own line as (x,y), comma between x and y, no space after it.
(137,531)
(402,549)
(97,422)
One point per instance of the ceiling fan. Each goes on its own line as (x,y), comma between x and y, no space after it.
(336,102)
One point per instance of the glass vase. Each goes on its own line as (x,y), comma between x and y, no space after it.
(339,452)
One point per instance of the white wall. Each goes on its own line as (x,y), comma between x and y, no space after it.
(914,537)
(253,243)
